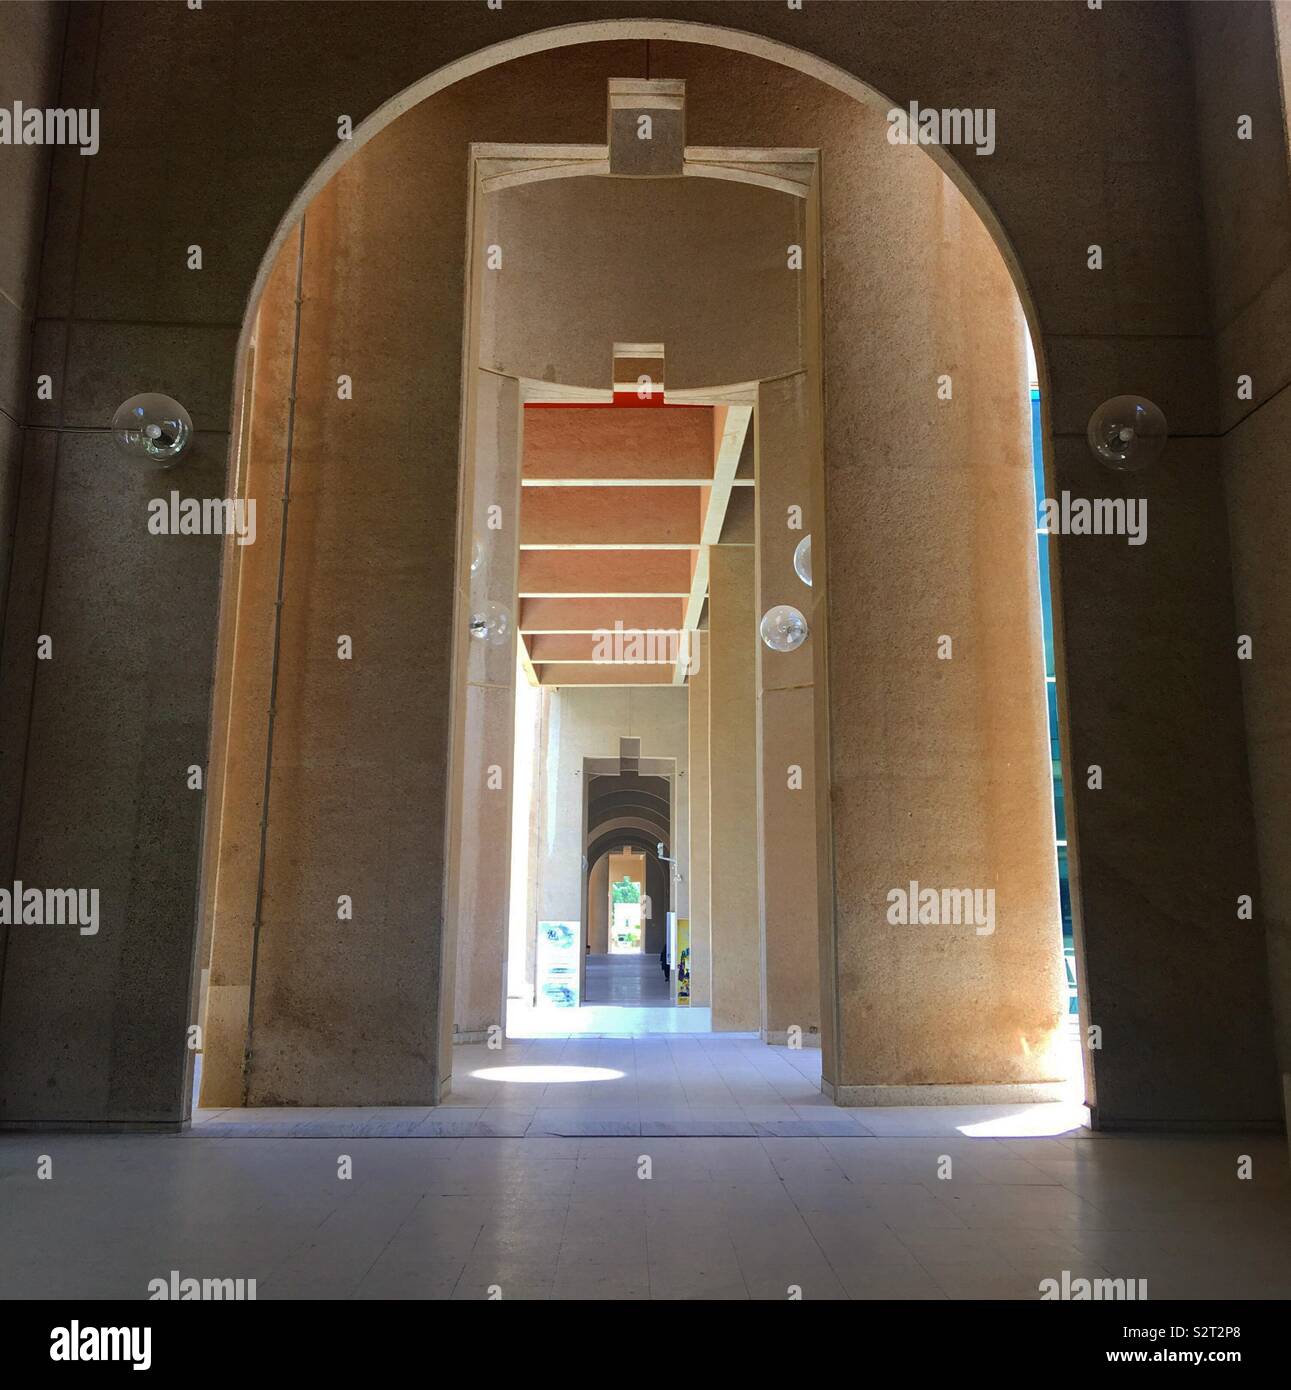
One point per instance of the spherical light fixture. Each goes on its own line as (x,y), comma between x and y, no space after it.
(802,560)
(783,628)
(152,429)
(1127,433)
(491,623)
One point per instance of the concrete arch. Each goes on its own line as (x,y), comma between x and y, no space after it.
(580,34)
(604,31)
(658,883)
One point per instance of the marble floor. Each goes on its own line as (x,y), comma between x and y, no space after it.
(576,1218)
(604,1168)
(635,981)
(624,997)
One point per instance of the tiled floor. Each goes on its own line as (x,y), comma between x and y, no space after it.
(624,997)
(933,1203)
(634,981)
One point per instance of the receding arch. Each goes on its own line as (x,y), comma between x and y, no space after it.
(605,31)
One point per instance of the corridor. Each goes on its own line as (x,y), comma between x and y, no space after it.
(628,981)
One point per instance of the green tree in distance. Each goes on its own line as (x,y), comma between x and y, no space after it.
(624,891)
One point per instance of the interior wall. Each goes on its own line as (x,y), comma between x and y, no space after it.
(31,52)
(31,55)
(698,264)
(1243,65)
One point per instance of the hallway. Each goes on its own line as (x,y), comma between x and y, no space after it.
(635,981)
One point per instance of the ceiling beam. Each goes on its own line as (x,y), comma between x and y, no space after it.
(730,426)
(594,573)
(577,517)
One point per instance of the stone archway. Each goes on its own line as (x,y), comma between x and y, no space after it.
(971,320)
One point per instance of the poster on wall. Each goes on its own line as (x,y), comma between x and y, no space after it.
(557,965)
(683,962)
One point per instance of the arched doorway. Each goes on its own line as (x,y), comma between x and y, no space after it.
(838,993)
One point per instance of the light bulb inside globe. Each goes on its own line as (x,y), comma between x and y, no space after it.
(1127,433)
(491,623)
(783,628)
(802,560)
(152,429)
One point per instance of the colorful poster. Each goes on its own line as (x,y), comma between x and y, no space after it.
(557,965)
(683,962)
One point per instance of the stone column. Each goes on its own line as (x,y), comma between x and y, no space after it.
(732,628)
(939,753)
(787,866)
(698,779)
(484,757)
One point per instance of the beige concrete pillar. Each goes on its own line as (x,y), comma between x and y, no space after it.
(732,629)
(939,754)
(787,445)
(482,772)
(240,716)
(700,950)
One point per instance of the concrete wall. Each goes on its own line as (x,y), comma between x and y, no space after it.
(31,56)
(1243,67)
(696,264)
(1091,148)
(31,51)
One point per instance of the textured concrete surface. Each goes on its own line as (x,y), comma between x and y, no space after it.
(735,961)
(701,893)
(939,766)
(788,441)
(1247,194)
(696,264)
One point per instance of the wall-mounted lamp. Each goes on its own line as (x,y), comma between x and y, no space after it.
(663,859)
(491,623)
(802,560)
(1127,433)
(152,428)
(783,628)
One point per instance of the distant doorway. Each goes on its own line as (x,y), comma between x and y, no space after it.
(627,982)
(625,903)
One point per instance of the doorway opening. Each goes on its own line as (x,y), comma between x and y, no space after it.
(702,281)
(617,499)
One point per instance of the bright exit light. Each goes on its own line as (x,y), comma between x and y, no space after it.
(1035,1122)
(546,1076)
